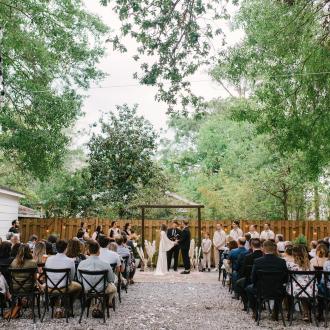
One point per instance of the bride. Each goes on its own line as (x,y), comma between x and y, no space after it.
(165,245)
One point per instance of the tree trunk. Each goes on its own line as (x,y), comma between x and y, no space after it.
(316,203)
(285,204)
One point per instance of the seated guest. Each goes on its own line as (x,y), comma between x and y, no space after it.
(5,250)
(313,246)
(61,261)
(131,263)
(245,270)
(49,248)
(95,263)
(39,253)
(32,241)
(300,263)
(247,237)
(73,251)
(80,236)
(231,245)
(321,256)
(236,258)
(5,259)
(52,239)
(106,255)
(14,250)
(23,259)
(122,250)
(287,255)
(270,263)
(279,240)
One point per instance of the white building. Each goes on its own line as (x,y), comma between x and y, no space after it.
(9,203)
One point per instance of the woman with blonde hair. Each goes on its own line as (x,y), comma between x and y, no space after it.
(39,253)
(321,256)
(300,263)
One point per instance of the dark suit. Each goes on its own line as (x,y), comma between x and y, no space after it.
(245,274)
(173,234)
(267,263)
(184,246)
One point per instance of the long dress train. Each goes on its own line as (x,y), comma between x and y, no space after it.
(165,245)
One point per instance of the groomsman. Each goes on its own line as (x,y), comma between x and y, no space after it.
(185,246)
(173,234)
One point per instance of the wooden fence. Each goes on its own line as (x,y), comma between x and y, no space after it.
(67,228)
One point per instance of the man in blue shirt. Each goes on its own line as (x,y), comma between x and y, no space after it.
(236,256)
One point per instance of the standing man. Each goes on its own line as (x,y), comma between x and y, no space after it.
(267,234)
(14,227)
(185,246)
(236,232)
(173,234)
(219,242)
(253,232)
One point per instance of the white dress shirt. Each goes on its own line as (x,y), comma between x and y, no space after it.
(267,234)
(219,239)
(254,234)
(59,261)
(206,245)
(109,257)
(235,234)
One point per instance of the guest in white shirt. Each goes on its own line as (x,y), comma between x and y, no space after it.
(267,233)
(219,242)
(61,261)
(106,255)
(95,263)
(206,248)
(236,232)
(253,232)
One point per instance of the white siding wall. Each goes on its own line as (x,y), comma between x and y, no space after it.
(8,212)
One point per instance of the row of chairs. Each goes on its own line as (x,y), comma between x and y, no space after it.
(270,288)
(23,284)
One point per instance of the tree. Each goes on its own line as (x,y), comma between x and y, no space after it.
(49,50)
(285,59)
(178,36)
(228,166)
(121,157)
(67,194)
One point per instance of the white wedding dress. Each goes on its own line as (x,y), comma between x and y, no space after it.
(165,245)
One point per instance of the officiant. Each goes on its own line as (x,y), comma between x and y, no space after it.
(173,233)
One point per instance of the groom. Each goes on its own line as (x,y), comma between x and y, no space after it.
(173,234)
(184,242)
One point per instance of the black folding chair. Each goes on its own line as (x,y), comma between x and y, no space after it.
(270,287)
(114,267)
(91,291)
(57,289)
(303,290)
(125,273)
(324,297)
(23,284)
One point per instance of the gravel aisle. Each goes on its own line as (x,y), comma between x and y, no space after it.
(166,306)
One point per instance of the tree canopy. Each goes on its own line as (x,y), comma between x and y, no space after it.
(49,51)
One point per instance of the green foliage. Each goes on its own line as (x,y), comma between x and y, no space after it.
(300,240)
(285,61)
(121,158)
(50,50)
(67,194)
(176,36)
(227,166)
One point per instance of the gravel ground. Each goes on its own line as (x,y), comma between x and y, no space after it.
(166,306)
